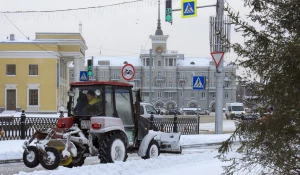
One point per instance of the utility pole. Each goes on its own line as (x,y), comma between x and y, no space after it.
(219,70)
(150,81)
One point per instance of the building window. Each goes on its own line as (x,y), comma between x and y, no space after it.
(170,95)
(159,94)
(33,97)
(214,84)
(213,94)
(181,75)
(72,75)
(33,69)
(137,84)
(203,94)
(147,61)
(159,75)
(226,85)
(226,95)
(103,74)
(159,63)
(11,69)
(159,85)
(170,74)
(170,84)
(170,61)
(147,84)
(115,75)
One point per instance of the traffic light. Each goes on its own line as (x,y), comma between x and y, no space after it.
(90,67)
(169,11)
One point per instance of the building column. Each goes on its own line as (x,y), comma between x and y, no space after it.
(78,66)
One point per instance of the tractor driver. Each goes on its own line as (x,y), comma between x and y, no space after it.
(93,106)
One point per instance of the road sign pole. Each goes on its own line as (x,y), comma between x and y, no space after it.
(150,81)
(198,115)
(219,69)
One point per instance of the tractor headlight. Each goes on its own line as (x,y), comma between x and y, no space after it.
(232,112)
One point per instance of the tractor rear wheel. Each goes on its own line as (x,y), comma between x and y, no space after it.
(53,159)
(153,150)
(31,157)
(112,148)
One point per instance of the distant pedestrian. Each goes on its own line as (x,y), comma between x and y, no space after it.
(2,132)
(61,110)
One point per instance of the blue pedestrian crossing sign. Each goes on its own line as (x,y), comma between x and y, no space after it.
(188,8)
(198,82)
(83,76)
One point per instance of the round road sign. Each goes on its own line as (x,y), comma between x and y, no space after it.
(128,72)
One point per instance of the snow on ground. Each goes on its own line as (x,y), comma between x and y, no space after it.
(204,162)
(12,149)
(190,162)
(18,114)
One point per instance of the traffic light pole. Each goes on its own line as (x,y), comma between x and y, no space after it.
(218,48)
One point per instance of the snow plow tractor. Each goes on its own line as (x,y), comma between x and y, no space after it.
(103,120)
(110,119)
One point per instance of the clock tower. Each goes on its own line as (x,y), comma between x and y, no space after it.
(159,40)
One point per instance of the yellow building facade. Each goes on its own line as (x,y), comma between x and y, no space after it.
(34,73)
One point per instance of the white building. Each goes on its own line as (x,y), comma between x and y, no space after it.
(172,76)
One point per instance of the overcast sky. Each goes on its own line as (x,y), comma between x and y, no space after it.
(120,30)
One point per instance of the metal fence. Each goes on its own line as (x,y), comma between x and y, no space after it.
(14,129)
(17,128)
(183,124)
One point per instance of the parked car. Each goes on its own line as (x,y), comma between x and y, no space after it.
(161,110)
(204,112)
(249,116)
(190,112)
(172,112)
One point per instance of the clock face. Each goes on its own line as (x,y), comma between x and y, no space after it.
(159,49)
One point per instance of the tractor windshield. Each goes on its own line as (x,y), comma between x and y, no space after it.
(87,100)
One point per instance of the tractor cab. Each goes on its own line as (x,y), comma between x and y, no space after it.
(103,99)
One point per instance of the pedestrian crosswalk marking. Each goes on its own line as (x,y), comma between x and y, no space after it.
(188,9)
(198,83)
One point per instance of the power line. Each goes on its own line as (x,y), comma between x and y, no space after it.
(75,9)
(27,37)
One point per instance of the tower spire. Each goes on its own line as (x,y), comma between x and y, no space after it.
(158,30)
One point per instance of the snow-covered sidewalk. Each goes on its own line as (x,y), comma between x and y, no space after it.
(12,149)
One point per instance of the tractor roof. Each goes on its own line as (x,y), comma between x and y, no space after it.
(109,83)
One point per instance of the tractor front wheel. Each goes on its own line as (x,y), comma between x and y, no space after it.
(152,150)
(52,161)
(112,148)
(31,157)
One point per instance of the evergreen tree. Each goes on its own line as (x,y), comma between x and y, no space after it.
(272,144)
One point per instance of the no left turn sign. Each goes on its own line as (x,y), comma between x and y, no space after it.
(128,72)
